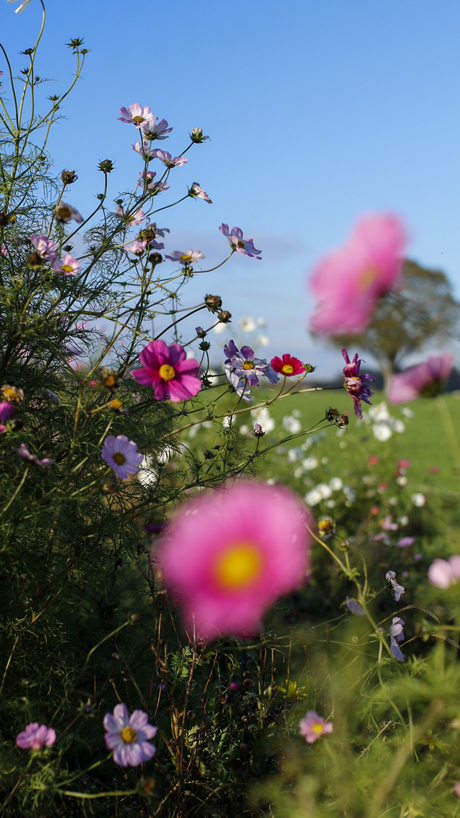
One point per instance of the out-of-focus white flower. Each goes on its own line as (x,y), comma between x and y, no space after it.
(399,426)
(381,431)
(263,340)
(247,324)
(298,472)
(379,413)
(313,497)
(349,493)
(263,417)
(418,499)
(401,481)
(227,422)
(335,483)
(330,503)
(164,455)
(310,463)
(291,424)
(403,520)
(219,328)
(261,322)
(146,475)
(407,412)
(244,429)
(324,461)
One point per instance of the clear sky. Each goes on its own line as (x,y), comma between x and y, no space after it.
(318,112)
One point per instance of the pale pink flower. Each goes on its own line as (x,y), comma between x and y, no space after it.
(122,455)
(136,247)
(231,553)
(36,736)
(167,159)
(187,257)
(156,130)
(167,369)
(129,736)
(349,281)
(68,266)
(65,213)
(312,727)
(136,115)
(133,218)
(3,250)
(457,788)
(444,573)
(197,192)
(23,452)
(423,380)
(44,247)
(143,150)
(238,243)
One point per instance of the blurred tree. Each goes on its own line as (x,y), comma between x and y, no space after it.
(420,309)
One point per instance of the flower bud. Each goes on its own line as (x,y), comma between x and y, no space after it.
(197,135)
(224,316)
(108,487)
(106,166)
(258,431)
(155,258)
(69,177)
(213,302)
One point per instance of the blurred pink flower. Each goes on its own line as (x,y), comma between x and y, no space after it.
(136,247)
(349,281)
(24,452)
(444,573)
(36,736)
(6,410)
(403,464)
(229,554)
(238,243)
(122,455)
(312,727)
(423,380)
(129,736)
(136,115)
(168,371)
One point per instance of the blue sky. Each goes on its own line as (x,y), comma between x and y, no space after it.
(317,112)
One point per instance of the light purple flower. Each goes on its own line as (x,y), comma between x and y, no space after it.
(397,635)
(239,385)
(122,455)
(444,573)
(238,243)
(156,130)
(354,607)
(44,247)
(136,115)
(186,257)
(404,542)
(424,380)
(168,160)
(197,192)
(129,736)
(356,384)
(397,589)
(23,452)
(312,727)
(243,364)
(68,266)
(36,736)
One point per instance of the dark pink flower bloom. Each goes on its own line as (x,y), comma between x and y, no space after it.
(166,158)
(238,243)
(312,727)
(6,410)
(197,192)
(403,464)
(168,371)
(187,257)
(229,554)
(356,384)
(36,736)
(287,365)
(349,281)
(156,130)
(136,115)
(129,736)
(424,380)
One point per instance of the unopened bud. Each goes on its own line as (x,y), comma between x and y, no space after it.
(106,166)
(224,316)
(69,177)
(109,487)
(213,302)
(258,431)
(155,258)
(197,135)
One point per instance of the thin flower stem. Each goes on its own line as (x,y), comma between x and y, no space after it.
(12,499)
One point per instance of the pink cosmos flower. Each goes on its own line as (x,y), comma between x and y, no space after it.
(133,218)
(156,130)
(238,243)
(356,384)
(287,365)
(166,158)
(197,192)
(143,150)
(349,281)
(312,727)
(444,573)
(65,213)
(122,455)
(186,258)
(23,452)
(229,554)
(3,250)
(44,247)
(68,266)
(136,247)
(168,371)
(6,410)
(129,736)
(136,115)
(36,736)
(423,380)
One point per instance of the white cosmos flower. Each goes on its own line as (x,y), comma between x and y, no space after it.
(418,499)
(263,417)
(399,426)
(313,497)
(335,483)
(146,475)
(407,412)
(263,340)
(381,431)
(310,463)
(379,413)
(291,424)
(164,455)
(247,324)
(219,328)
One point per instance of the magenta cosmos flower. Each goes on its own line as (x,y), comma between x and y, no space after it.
(129,736)
(229,554)
(312,727)
(168,371)
(356,384)
(238,243)
(136,115)
(349,281)
(424,380)
(36,736)
(122,455)
(444,573)
(287,365)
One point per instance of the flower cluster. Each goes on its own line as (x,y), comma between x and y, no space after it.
(356,384)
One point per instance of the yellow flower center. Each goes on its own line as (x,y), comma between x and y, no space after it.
(367,277)
(66,268)
(248,364)
(128,735)
(167,372)
(9,393)
(288,369)
(186,258)
(138,119)
(238,566)
(318,728)
(119,458)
